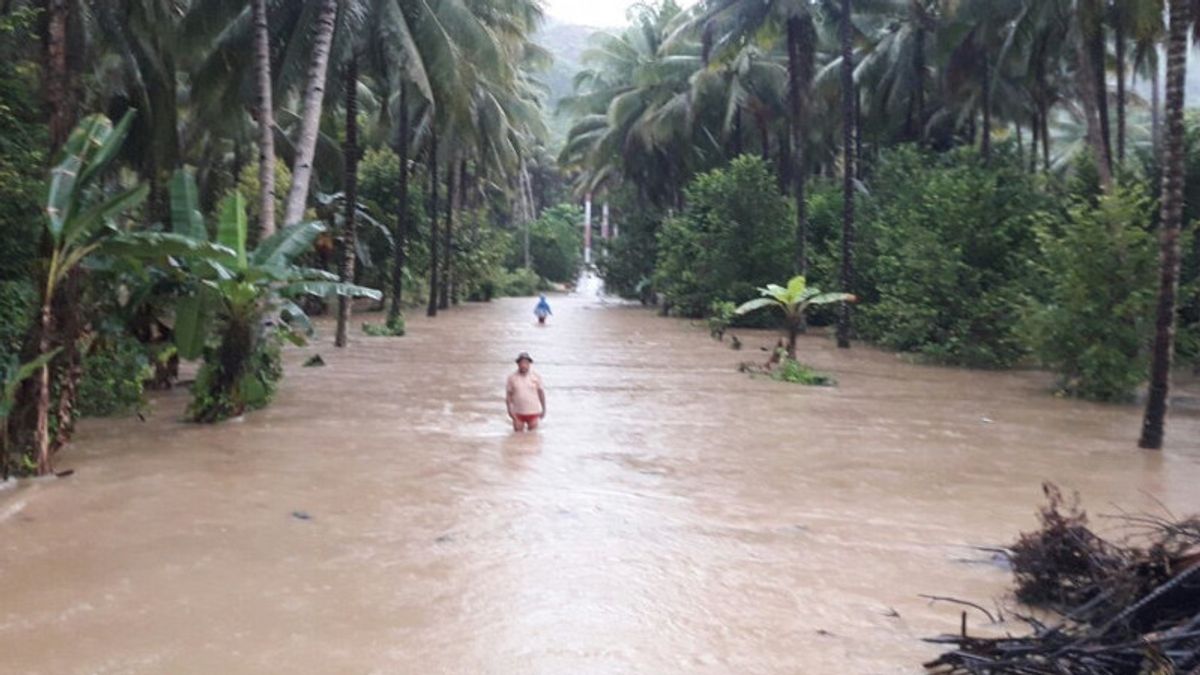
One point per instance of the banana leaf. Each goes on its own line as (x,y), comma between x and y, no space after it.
(282,247)
(158,245)
(82,225)
(185,211)
(193,314)
(231,229)
(327,288)
(757,303)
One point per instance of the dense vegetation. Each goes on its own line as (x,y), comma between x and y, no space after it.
(271,160)
(978,174)
(190,179)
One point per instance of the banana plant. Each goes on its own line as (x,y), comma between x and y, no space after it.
(241,301)
(12,374)
(793,300)
(84,222)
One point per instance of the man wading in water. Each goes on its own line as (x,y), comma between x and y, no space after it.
(526,398)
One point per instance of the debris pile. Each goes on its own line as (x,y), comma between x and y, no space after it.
(1117,609)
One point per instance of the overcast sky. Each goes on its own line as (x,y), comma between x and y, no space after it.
(600,13)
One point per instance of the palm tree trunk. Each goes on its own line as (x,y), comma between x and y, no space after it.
(764,136)
(1121,130)
(919,67)
(849,122)
(448,233)
(1172,214)
(432,309)
(460,205)
(858,135)
(1046,139)
(310,121)
(265,114)
(526,214)
(1099,72)
(1088,99)
(800,34)
(1034,129)
(349,234)
(401,208)
(985,142)
(1155,111)
(57,85)
(737,132)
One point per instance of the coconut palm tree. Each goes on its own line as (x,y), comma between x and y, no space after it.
(637,112)
(1172,211)
(58,92)
(849,116)
(264,112)
(350,153)
(728,23)
(314,94)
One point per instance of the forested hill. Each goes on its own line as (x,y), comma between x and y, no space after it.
(566,42)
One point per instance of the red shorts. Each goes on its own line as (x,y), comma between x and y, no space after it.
(531,420)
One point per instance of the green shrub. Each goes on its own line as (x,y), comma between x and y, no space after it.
(627,262)
(735,235)
(17,300)
(378,179)
(480,249)
(519,283)
(254,389)
(720,314)
(23,143)
(115,371)
(944,261)
(1101,265)
(248,184)
(791,370)
(556,243)
(393,328)
(824,245)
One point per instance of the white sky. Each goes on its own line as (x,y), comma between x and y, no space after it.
(598,13)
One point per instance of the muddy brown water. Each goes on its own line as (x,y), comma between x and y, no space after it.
(672,516)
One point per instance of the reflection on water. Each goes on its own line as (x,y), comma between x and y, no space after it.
(671,516)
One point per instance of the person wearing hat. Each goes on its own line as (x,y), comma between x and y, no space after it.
(526,398)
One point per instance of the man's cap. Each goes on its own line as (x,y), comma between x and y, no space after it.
(524,356)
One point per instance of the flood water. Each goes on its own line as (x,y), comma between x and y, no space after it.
(672,516)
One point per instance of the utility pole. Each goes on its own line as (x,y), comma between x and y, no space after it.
(587,229)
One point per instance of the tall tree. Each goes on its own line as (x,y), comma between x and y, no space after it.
(448,233)
(849,161)
(1088,25)
(1120,28)
(265,116)
(1172,214)
(57,80)
(314,95)
(349,234)
(801,45)
(400,236)
(432,309)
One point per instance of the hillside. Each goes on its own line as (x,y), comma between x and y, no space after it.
(566,42)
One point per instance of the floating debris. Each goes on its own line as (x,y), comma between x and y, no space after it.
(1119,609)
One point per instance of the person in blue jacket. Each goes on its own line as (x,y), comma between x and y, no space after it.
(542,310)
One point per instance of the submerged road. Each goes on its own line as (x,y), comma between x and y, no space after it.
(672,516)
